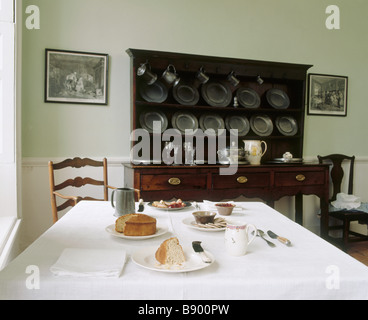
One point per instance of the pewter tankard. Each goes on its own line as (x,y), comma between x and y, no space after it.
(124,201)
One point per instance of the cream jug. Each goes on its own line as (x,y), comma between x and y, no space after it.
(253,151)
(237,238)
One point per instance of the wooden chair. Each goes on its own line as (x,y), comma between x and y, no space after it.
(77,182)
(346,216)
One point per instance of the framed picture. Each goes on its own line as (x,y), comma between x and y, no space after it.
(327,95)
(76,77)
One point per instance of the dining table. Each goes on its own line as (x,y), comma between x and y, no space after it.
(82,257)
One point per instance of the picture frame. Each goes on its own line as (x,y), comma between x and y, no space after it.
(327,95)
(76,77)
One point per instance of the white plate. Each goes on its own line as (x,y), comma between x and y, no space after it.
(187,205)
(145,258)
(159,231)
(190,222)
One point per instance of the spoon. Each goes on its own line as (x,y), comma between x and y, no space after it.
(261,234)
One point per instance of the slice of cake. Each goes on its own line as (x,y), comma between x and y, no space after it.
(136,224)
(170,252)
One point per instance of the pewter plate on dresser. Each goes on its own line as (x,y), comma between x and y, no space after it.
(147,118)
(211,121)
(287,125)
(248,98)
(261,125)
(156,92)
(278,99)
(184,120)
(186,94)
(241,123)
(216,94)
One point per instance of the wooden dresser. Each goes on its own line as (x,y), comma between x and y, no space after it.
(269,181)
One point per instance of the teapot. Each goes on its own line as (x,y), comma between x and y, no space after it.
(253,150)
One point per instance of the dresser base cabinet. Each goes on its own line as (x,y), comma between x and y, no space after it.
(267,182)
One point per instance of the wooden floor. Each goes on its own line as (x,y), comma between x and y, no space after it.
(359,251)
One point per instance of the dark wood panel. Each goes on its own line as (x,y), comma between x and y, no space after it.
(150,182)
(242,180)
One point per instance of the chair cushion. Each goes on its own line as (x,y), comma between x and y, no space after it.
(362,208)
(360,213)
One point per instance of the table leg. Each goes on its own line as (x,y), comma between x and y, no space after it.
(271,203)
(324,217)
(299,209)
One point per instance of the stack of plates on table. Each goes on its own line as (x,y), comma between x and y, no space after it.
(147,118)
(287,125)
(156,92)
(211,121)
(241,123)
(184,120)
(248,98)
(278,99)
(261,125)
(216,94)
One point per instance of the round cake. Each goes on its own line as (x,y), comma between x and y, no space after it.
(136,224)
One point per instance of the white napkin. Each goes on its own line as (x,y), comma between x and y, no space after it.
(209,205)
(90,263)
(346,201)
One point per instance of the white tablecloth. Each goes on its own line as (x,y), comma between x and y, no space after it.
(310,269)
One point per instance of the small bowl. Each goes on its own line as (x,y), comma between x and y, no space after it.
(204,217)
(225,209)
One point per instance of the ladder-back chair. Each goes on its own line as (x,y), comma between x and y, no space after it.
(344,215)
(75,182)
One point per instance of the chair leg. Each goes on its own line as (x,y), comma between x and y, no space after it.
(346,228)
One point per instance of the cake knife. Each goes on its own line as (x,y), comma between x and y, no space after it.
(281,239)
(198,249)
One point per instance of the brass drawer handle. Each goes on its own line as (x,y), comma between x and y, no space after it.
(242,179)
(300,177)
(174,181)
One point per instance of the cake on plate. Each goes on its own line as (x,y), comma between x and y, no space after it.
(136,224)
(170,252)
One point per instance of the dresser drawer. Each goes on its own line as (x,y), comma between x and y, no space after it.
(242,180)
(173,182)
(297,178)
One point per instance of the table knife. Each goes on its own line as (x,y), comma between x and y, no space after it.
(198,249)
(281,239)
(140,205)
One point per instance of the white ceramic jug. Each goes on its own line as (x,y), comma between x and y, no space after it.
(253,151)
(237,238)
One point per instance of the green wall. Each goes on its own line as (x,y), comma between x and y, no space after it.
(276,30)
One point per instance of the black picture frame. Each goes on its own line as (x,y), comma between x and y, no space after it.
(327,95)
(76,77)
